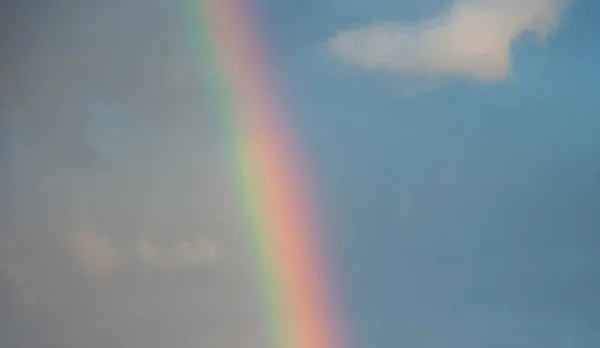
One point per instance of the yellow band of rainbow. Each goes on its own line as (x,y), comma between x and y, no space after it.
(268,174)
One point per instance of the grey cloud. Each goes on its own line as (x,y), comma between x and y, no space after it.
(105,140)
(97,257)
(199,251)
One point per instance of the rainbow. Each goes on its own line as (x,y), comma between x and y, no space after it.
(269,176)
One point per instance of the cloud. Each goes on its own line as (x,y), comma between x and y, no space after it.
(202,250)
(96,256)
(21,280)
(104,125)
(473,39)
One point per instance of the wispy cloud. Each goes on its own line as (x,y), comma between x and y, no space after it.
(20,279)
(472,39)
(201,250)
(96,256)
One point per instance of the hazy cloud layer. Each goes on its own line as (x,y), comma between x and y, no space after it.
(472,39)
(198,251)
(106,141)
(95,254)
(20,279)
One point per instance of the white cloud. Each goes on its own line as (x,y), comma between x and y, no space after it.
(97,257)
(202,250)
(472,39)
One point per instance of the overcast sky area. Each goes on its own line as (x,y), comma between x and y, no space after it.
(454,145)
(117,227)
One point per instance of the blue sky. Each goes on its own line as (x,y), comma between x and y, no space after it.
(464,214)
(458,173)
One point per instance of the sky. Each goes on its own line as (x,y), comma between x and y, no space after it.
(452,144)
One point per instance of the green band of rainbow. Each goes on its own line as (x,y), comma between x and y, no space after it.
(269,179)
